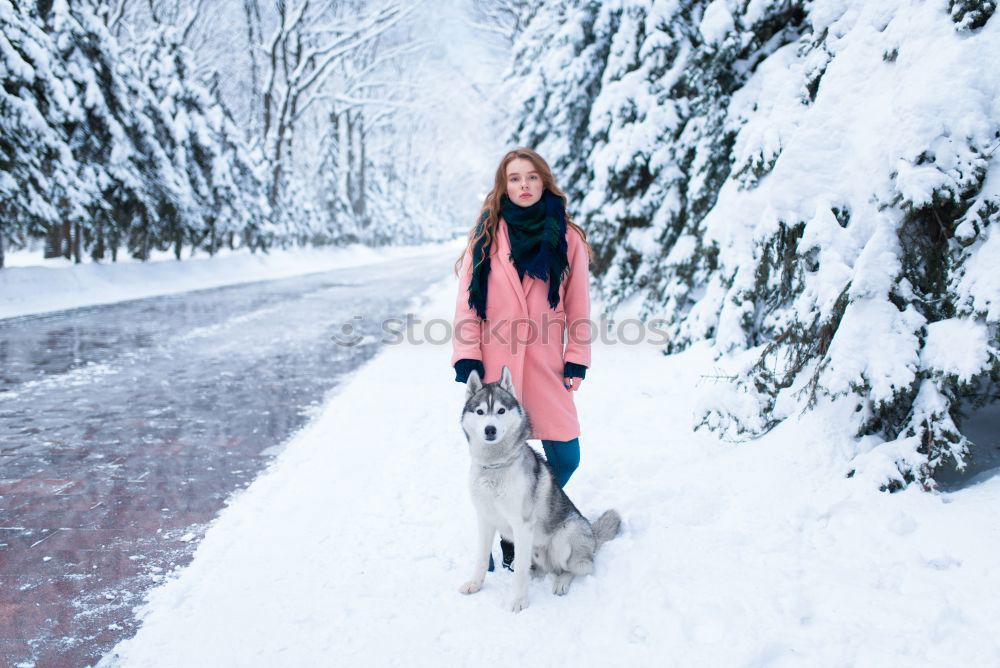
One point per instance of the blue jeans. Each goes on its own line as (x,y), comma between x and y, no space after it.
(563,456)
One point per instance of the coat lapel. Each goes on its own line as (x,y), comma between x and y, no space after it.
(503,249)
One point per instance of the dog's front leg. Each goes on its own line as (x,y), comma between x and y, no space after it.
(523,545)
(484,544)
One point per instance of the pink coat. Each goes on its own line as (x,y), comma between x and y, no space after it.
(524,333)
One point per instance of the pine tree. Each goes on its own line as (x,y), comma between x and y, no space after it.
(718,188)
(971,14)
(555,76)
(665,145)
(33,161)
(103,147)
(130,190)
(852,307)
(221,184)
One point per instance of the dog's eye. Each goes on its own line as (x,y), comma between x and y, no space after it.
(501,411)
(479,411)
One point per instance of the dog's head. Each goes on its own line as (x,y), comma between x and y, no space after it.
(492,418)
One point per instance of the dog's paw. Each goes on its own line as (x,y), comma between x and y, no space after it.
(560,584)
(470,587)
(519,603)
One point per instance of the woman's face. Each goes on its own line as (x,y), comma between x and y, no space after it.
(524,183)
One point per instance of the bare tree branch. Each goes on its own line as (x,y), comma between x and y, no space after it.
(192,17)
(503,17)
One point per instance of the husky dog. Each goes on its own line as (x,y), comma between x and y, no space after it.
(514,492)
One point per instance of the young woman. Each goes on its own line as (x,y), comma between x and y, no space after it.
(524,283)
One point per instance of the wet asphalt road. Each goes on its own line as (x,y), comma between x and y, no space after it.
(124,428)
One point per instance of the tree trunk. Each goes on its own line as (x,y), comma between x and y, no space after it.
(277,168)
(98,252)
(53,245)
(360,208)
(349,164)
(64,239)
(44,7)
(77,242)
(251,9)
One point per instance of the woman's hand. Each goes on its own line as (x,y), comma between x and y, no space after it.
(571,384)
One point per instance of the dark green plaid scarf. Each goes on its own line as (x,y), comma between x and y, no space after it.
(537,247)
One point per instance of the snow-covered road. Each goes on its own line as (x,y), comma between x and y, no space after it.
(350,549)
(124,428)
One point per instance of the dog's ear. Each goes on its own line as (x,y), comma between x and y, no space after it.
(507,382)
(473,384)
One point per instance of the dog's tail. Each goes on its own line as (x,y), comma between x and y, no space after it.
(607,526)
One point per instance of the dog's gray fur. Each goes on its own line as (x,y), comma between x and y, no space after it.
(514,492)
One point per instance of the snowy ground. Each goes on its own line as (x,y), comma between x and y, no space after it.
(350,549)
(30,284)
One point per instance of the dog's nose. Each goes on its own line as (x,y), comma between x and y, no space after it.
(491,431)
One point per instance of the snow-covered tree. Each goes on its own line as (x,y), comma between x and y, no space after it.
(144,149)
(34,162)
(843,271)
(663,146)
(222,182)
(971,14)
(123,143)
(105,146)
(505,18)
(556,74)
(808,185)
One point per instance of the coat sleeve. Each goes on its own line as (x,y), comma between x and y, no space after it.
(466,327)
(577,307)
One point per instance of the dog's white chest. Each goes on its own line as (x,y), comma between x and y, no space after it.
(489,485)
(496,496)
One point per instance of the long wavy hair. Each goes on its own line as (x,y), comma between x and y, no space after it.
(491,205)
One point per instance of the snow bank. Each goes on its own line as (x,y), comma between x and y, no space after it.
(350,549)
(55,285)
